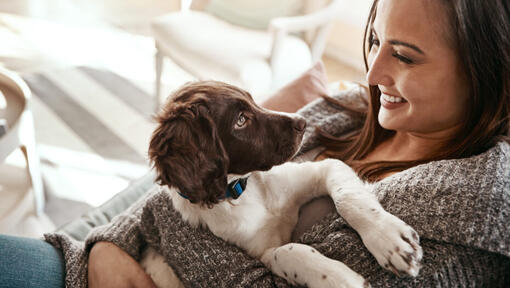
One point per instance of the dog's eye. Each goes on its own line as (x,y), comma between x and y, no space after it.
(241,121)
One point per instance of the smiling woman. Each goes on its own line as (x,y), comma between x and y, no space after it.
(439,87)
(429,87)
(439,96)
(446,108)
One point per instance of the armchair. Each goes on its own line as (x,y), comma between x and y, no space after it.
(258,60)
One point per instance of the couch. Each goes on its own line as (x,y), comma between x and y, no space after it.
(79,228)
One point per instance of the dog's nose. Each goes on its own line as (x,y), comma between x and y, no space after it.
(299,124)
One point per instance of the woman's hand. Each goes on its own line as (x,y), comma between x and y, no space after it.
(110,266)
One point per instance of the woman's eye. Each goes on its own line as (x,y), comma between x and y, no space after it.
(374,41)
(402,58)
(241,121)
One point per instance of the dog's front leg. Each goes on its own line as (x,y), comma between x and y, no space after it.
(303,265)
(393,243)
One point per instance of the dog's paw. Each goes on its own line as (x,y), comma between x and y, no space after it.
(303,265)
(338,275)
(395,245)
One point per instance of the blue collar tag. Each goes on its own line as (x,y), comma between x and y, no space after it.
(234,189)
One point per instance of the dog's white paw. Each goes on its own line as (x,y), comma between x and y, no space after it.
(394,244)
(336,275)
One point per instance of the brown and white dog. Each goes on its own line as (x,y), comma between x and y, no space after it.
(211,134)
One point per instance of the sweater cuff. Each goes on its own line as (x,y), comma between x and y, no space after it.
(123,230)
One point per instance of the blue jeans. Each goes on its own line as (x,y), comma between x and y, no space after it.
(26,262)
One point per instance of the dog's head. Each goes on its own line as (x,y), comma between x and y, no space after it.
(209,129)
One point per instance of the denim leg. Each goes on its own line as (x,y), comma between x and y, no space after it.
(27,262)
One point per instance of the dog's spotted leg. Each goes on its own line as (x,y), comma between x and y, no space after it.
(394,244)
(301,264)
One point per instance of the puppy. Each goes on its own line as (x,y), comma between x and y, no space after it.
(220,156)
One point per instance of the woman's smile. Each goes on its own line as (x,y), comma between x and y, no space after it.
(392,102)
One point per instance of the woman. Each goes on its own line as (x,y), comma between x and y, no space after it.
(439,75)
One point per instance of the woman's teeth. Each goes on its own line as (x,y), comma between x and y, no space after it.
(393,99)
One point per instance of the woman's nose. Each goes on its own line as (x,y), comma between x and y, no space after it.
(379,70)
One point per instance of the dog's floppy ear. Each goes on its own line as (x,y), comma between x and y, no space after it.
(188,154)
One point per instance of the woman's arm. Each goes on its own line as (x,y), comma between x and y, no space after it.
(124,229)
(198,257)
(116,248)
(444,264)
(113,251)
(203,260)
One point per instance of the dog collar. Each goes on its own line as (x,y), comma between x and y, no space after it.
(234,189)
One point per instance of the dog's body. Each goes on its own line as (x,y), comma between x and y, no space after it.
(262,219)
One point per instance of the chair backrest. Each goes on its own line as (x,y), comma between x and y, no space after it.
(254,14)
(271,7)
(226,9)
(310,6)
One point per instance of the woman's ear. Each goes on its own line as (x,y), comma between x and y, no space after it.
(187,153)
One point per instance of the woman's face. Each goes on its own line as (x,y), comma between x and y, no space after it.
(418,72)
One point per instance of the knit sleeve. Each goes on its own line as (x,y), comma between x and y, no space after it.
(460,209)
(124,229)
(331,118)
(201,259)
(444,264)
(198,257)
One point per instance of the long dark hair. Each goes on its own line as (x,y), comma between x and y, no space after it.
(480,31)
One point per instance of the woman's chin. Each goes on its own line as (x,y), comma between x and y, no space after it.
(390,122)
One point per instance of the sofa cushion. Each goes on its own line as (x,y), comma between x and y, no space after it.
(253,14)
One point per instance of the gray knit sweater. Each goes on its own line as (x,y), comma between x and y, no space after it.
(460,208)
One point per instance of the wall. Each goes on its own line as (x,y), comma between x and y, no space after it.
(345,42)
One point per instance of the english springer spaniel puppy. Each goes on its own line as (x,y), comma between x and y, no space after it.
(223,159)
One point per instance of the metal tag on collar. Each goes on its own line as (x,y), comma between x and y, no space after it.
(237,187)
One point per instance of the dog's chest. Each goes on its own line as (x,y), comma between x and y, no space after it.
(249,222)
